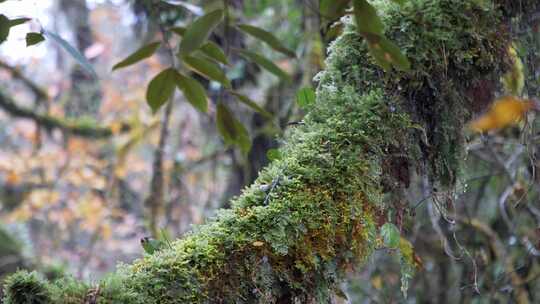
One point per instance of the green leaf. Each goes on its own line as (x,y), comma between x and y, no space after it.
(273,154)
(226,124)
(151,245)
(266,64)
(400,2)
(514,79)
(6,24)
(209,49)
(232,131)
(213,51)
(198,31)
(244,142)
(207,68)
(388,54)
(305,97)
(4,28)
(73,52)
(252,104)
(33,38)
(266,37)
(390,235)
(367,20)
(178,30)
(333,9)
(140,54)
(193,91)
(185,4)
(161,88)
(18,21)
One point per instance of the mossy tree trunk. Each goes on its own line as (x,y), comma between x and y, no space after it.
(315,214)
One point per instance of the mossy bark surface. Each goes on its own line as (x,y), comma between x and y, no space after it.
(314,214)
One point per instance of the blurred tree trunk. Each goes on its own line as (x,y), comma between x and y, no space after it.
(85,93)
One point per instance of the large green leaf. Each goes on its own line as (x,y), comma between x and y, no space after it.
(140,54)
(390,235)
(333,9)
(161,88)
(273,154)
(367,20)
(252,104)
(73,52)
(198,31)
(267,37)
(232,130)
(400,2)
(178,30)
(207,68)
(193,91)
(209,49)
(18,21)
(213,51)
(4,28)
(266,64)
(387,54)
(6,24)
(188,6)
(305,97)
(244,142)
(33,38)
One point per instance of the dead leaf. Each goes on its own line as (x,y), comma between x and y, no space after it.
(504,112)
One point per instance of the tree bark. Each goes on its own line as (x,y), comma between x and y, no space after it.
(314,214)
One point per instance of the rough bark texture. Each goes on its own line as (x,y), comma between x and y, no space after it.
(315,213)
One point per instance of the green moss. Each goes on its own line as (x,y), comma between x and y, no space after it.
(26,287)
(451,45)
(315,213)
(67,290)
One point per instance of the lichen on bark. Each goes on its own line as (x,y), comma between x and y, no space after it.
(315,213)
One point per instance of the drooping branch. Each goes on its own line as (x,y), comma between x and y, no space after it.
(315,213)
(40,94)
(74,127)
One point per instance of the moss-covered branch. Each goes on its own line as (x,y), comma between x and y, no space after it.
(315,213)
(78,128)
(40,93)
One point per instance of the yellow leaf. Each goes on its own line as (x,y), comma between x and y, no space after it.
(504,112)
(514,80)
(377,282)
(258,243)
(13,178)
(407,251)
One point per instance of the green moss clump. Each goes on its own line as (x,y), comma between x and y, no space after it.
(26,287)
(315,213)
(457,49)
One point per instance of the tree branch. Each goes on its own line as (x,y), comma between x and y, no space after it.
(67,126)
(295,243)
(15,73)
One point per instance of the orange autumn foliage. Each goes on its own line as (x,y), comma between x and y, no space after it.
(504,112)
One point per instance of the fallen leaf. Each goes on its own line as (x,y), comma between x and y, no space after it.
(504,112)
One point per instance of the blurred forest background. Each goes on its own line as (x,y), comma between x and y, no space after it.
(79,153)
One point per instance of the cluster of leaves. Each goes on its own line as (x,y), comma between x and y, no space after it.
(33,38)
(206,58)
(370,26)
